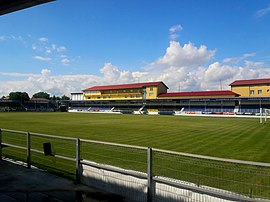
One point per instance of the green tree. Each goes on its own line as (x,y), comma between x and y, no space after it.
(21,96)
(55,98)
(64,97)
(41,95)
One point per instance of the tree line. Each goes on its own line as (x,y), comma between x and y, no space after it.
(23,96)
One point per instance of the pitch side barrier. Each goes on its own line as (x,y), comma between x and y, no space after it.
(140,173)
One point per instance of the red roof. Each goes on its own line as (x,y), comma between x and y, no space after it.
(125,86)
(198,93)
(250,82)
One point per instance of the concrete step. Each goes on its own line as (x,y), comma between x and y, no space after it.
(6,198)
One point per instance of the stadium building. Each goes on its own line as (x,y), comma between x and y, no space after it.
(245,97)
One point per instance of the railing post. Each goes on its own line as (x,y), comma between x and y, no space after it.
(0,144)
(28,150)
(149,175)
(78,159)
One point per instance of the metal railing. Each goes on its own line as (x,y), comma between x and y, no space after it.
(226,179)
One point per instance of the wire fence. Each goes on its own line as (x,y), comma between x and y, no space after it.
(152,174)
(245,178)
(127,157)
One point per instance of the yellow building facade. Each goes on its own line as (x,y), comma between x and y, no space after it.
(136,91)
(251,88)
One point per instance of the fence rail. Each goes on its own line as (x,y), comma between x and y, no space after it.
(161,170)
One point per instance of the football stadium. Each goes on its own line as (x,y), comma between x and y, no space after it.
(216,148)
(201,146)
(246,97)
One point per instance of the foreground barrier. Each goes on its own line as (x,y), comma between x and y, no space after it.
(140,173)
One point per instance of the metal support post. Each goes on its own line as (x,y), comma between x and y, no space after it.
(149,176)
(78,159)
(0,144)
(261,115)
(28,151)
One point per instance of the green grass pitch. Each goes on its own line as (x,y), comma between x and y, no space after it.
(236,138)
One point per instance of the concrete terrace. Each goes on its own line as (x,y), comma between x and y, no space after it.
(18,183)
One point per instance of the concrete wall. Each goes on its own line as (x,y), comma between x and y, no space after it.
(245,91)
(135,189)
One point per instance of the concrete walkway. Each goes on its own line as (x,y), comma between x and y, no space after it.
(18,183)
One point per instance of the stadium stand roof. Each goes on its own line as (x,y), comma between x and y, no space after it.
(250,82)
(125,86)
(198,93)
(40,99)
(8,6)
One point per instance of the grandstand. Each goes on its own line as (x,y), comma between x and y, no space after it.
(36,104)
(246,97)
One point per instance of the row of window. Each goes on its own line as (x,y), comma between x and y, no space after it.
(259,92)
(119,91)
(105,97)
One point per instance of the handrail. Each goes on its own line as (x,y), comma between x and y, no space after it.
(253,163)
(114,144)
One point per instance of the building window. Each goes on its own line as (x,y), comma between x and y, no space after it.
(138,96)
(131,90)
(151,88)
(98,97)
(267,90)
(151,94)
(89,98)
(104,97)
(251,92)
(259,92)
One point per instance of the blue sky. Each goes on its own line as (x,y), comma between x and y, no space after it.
(69,45)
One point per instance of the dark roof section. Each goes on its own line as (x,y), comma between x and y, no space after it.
(125,86)
(8,6)
(40,99)
(250,82)
(198,93)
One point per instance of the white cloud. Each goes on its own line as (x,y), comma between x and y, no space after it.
(54,51)
(65,61)
(262,12)
(173,31)
(217,72)
(43,39)
(182,67)
(14,38)
(175,28)
(34,47)
(45,72)
(15,74)
(42,58)
(2,38)
(236,60)
(61,49)
(187,55)
(251,64)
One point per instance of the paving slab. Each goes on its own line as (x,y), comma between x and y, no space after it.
(18,183)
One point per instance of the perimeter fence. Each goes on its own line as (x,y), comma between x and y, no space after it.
(140,173)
